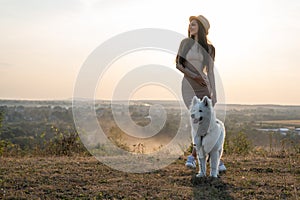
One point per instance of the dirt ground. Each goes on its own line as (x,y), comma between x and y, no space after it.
(247,177)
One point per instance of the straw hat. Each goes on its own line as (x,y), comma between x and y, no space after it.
(202,20)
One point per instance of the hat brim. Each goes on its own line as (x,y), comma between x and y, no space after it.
(193,17)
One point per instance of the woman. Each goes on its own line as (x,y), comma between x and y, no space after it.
(195,59)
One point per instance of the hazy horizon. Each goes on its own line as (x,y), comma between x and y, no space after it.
(136,100)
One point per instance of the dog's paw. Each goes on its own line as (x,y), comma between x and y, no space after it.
(214,176)
(199,175)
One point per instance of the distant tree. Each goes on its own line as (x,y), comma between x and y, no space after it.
(3,143)
(1,118)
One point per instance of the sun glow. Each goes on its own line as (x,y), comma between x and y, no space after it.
(44,45)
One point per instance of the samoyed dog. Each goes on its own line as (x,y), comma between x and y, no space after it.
(208,134)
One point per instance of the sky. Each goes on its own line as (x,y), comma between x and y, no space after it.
(43,44)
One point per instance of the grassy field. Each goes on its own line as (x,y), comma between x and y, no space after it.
(256,176)
(42,157)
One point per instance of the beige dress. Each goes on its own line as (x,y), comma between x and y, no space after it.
(190,87)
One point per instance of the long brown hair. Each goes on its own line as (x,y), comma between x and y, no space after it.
(202,39)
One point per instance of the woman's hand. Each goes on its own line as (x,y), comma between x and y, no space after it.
(200,80)
(213,98)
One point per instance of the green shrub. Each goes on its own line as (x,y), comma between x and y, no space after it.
(238,144)
(7,148)
(64,143)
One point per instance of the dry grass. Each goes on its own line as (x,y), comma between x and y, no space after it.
(283,122)
(261,176)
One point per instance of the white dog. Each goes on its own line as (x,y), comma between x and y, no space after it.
(208,135)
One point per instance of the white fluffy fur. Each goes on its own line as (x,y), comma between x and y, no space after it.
(208,134)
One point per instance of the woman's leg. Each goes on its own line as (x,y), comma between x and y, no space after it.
(194,152)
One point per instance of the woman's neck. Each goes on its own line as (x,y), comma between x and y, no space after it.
(196,38)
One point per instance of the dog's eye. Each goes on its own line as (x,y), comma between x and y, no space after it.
(200,110)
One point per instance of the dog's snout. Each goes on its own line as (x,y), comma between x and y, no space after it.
(201,118)
(192,115)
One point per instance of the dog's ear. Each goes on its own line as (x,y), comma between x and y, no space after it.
(195,100)
(205,101)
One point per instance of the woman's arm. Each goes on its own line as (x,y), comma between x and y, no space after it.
(186,71)
(198,78)
(211,73)
(211,78)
